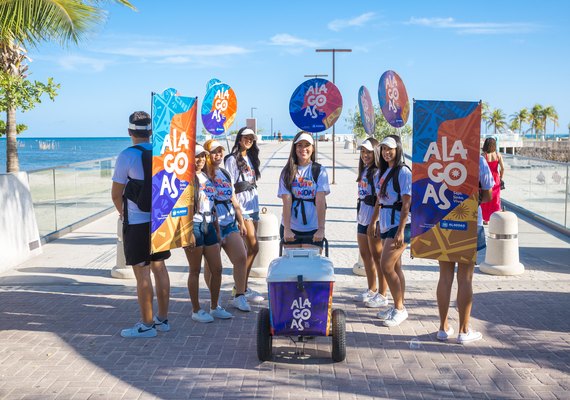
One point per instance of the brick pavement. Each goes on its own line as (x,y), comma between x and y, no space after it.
(62,313)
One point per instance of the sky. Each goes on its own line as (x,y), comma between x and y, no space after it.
(511,54)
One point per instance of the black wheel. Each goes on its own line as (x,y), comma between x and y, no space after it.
(338,335)
(264,338)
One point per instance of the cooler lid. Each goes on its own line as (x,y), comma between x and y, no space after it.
(301,261)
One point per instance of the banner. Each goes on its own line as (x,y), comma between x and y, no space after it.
(219,107)
(445,180)
(393,99)
(173,169)
(315,105)
(367,114)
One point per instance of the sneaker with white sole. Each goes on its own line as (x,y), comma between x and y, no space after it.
(241,303)
(220,313)
(396,318)
(384,315)
(377,301)
(442,335)
(202,316)
(161,326)
(365,296)
(140,330)
(470,336)
(252,295)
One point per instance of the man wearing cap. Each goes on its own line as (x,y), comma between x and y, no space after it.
(128,178)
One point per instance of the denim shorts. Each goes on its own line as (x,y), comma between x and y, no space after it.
(363,229)
(208,239)
(301,237)
(391,234)
(253,216)
(225,231)
(481,242)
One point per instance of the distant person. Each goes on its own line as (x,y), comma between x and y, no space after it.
(243,165)
(394,198)
(495,163)
(133,171)
(464,274)
(541,178)
(303,185)
(279,137)
(204,242)
(369,245)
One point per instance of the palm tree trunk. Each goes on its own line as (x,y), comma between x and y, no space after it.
(12,162)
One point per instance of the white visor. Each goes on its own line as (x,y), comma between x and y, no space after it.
(249,132)
(199,150)
(213,145)
(366,145)
(389,142)
(134,127)
(305,136)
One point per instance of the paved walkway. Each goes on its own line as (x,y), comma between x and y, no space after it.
(61,315)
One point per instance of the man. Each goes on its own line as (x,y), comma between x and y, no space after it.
(128,183)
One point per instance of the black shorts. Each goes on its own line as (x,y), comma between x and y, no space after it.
(362,229)
(136,243)
(301,237)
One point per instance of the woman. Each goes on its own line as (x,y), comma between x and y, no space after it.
(370,247)
(204,242)
(303,186)
(243,165)
(232,226)
(394,199)
(495,162)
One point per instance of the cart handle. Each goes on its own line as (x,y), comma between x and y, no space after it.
(283,243)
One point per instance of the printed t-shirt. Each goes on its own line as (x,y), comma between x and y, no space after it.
(365,189)
(248,200)
(207,192)
(405,181)
(224,189)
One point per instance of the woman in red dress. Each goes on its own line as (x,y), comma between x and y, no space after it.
(495,162)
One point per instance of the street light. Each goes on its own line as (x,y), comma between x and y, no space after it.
(316,76)
(333,51)
(253,108)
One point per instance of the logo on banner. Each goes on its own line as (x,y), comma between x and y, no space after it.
(301,313)
(315,97)
(220,103)
(175,162)
(315,105)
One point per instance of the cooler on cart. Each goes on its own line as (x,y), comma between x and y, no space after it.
(300,286)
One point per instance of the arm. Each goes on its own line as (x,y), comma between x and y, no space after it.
(371,231)
(501,166)
(239,216)
(321,205)
(288,235)
(406,202)
(117,197)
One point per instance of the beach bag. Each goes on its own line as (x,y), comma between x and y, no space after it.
(502,184)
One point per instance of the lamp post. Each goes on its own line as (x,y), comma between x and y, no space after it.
(317,134)
(333,51)
(253,108)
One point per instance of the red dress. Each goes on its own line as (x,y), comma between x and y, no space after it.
(495,203)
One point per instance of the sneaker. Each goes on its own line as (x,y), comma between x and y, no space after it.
(139,330)
(220,313)
(377,301)
(161,326)
(470,336)
(365,296)
(396,318)
(202,316)
(241,303)
(252,295)
(384,315)
(442,335)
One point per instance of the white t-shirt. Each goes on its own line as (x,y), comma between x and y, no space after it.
(224,190)
(207,192)
(248,200)
(303,187)
(129,165)
(487,182)
(405,181)
(365,189)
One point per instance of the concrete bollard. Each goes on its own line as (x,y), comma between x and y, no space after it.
(358,267)
(268,239)
(121,270)
(502,255)
(347,144)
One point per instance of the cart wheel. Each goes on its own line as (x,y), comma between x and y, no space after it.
(338,335)
(264,338)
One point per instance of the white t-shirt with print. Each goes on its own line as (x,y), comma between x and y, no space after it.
(365,189)
(224,190)
(405,181)
(248,200)
(207,192)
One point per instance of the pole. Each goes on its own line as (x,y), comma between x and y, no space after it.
(271,134)
(316,133)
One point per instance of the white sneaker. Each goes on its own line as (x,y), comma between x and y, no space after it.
(396,318)
(202,316)
(252,295)
(161,326)
(365,296)
(442,336)
(140,330)
(377,301)
(384,315)
(241,303)
(220,313)
(470,336)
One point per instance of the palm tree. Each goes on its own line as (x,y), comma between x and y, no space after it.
(518,118)
(25,23)
(535,119)
(496,120)
(485,114)
(549,113)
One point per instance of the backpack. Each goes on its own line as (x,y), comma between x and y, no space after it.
(139,191)
(397,206)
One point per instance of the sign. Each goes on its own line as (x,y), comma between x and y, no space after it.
(393,99)
(315,105)
(445,180)
(219,107)
(366,108)
(173,169)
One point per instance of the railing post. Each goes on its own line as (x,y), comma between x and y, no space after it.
(54,201)
(566,197)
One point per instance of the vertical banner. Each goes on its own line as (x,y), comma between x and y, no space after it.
(173,169)
(445,180)
(367,114)
(393,99)
(219,107)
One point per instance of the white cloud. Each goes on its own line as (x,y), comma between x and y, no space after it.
(284,39)
(474,28)
(74,62)
(361,20)
(159,50)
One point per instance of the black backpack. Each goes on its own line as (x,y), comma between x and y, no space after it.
(139,191)
(397,206)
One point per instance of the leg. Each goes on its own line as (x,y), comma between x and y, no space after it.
(144,292)
(367,260)
(251,244)
(213,256)
(194,256)
(162,284)
(390,257)
(464,294)
(400,273)
(375,246)
(446,273)
(235,249)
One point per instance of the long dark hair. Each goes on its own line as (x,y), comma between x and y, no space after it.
(252,154)
(490,145)
(372,169)
(383,165)
(289,171)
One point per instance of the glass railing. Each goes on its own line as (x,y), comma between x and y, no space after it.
(65,195)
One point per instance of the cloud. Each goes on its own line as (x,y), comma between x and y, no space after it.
(474,28)
(361,20)
(74,63)
(286,40)
(160,50)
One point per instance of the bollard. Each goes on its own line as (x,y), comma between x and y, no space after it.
(268,240)
(121,270)
(347,144)
(502,255)
(358,267)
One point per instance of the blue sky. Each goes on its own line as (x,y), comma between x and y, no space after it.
(511,54)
